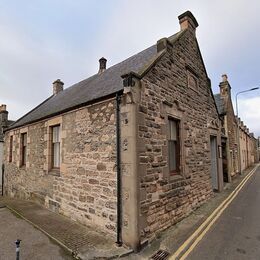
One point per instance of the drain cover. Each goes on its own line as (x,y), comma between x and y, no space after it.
(160,255)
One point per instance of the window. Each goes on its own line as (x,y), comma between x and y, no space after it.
(55,155)
(192,80)
(11,149)
(174,145)
(23,148)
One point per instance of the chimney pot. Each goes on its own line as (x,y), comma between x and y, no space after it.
(224,78)
(102,65)
(2,108)
(187,20)
(57,86)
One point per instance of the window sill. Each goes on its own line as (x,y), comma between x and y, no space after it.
(177,176)
(54,172)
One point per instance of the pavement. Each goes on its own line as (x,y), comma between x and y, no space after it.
(88,243)
(34,244)
(79,241)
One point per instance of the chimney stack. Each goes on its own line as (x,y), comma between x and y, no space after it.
(57,86)
(225,88)
(3,108)
(3,118)
(188,21)
(102,65)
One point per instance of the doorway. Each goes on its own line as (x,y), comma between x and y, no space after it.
(224,160)
(214,162)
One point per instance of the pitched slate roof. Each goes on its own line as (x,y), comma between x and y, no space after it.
(220,104)
(95,87)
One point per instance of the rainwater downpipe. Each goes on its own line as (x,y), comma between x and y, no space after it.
(118,164)
(3,172)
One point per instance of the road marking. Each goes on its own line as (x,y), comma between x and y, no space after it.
(194,239)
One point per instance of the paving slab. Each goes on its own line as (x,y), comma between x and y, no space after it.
(81,241)
(34,244)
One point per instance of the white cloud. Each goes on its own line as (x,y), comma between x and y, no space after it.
(34,53)
(249,112)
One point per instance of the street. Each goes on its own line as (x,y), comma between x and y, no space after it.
(34,244)
(236,234)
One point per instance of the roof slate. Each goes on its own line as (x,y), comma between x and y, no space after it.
(93,88)
(220,104)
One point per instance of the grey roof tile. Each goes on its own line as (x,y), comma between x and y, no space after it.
(220,104)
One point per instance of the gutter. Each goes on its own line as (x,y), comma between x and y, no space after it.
(119,179)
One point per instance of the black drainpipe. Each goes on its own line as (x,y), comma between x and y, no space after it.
(118,164)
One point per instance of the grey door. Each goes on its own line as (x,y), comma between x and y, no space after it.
(214,160)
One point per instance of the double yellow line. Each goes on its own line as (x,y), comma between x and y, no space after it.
(185,249)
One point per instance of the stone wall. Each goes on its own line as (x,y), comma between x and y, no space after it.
(232,137)
(1,161)
(30,180)
(85,187)
(164,198)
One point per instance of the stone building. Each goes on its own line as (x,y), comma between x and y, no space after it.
(133,149)
(247,144)
(4,123)
(232,147)
(253,149)
(229,126)
(258,148)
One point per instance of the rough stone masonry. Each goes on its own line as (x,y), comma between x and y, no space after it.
(85,187)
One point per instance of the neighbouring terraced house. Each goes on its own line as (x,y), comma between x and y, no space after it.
(237,154)
(133,149)
(247,146)
(258,148)
(229,126)
(4,123)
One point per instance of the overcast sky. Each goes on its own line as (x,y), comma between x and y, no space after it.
(42,40)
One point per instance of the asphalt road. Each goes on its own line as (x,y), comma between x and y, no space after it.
(236,234)
(34,245)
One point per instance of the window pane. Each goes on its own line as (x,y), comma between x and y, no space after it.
(172,155)
(56,134)
(11,149)
(24,155)
(174,146)
(24,136)
(23,148)
(173,129)
(56,155)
